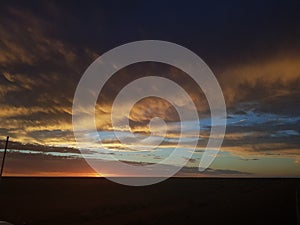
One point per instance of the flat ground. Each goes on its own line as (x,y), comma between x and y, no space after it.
(87,201)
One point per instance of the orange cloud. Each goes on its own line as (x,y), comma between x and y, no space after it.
(274,74)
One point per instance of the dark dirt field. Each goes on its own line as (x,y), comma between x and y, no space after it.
(87,201)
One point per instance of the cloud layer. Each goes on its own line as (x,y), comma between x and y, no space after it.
(46,49)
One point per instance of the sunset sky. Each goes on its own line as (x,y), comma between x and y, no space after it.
(253,48)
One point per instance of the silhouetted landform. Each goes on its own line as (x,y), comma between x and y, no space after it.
(91,201)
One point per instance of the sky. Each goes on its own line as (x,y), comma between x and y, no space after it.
(253,48)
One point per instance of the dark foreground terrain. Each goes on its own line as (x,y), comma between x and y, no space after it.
(63,201)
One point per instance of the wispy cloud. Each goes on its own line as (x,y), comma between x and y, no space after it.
(41,63)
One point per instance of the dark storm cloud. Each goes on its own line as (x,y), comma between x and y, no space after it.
(266,95)
(212,172)
(38,75)
(218,30)
(37,148)
(253,48)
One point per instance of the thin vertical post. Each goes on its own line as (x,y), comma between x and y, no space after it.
(4,154)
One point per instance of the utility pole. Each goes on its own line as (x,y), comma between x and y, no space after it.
(3,158)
